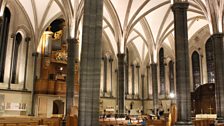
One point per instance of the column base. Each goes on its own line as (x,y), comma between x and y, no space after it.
(182,123)
(63,122)
(24,89)
(219,120)
(120,115)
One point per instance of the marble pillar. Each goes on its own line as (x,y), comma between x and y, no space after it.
(111,76)
(138,75)
(12,59)
(70,79)
(143,98)
(90,65)
(121,83)
(154,87)
(217,39)
(182,64)
(105,75)
(133,80)
(35,55)
(27,40)
(147,81)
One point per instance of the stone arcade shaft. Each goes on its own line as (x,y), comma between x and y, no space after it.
(90,63)
(182,63)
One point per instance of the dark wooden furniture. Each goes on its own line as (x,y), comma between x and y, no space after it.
(203,99)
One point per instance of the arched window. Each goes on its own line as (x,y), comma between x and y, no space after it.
(162,72)
(171,76)
(3,41)
(196,70)
(209,46)
(18,40)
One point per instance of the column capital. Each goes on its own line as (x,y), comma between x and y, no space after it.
(27,39)
(71,40)
(104,57)
(148,66)
(35,54)
(153,64)
(132,65)
(217,35)
(120,55)
(111,59)
(177,6)
(13,35)
(138,66)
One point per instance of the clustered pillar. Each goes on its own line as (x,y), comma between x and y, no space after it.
(70,79)
(105,75)
(217,39)
(154,87)
(182,63)
(90,68)
(147,88)
(26,62)
(133,80)
(138,74)
(111,76)
(121,83)
(143,106)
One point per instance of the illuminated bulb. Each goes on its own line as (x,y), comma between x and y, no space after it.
(172,95)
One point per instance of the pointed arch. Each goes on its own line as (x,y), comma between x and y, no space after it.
(196,69)
(3,41)
(209,48)
(162,72)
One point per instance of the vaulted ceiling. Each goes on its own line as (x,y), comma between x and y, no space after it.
(143,25)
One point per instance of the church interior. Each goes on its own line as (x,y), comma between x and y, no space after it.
(111,62)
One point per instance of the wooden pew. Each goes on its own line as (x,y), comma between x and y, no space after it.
(19,121)
(157,123)
(29,121)
(51,121)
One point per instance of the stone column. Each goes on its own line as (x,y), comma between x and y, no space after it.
(12,58)
(147,87)
(116,71)
(133,80)
(27,39)
(138,67)
(217,39)
(126,79)
(35,55)
(143,78)
(70,79)
(111,76)
(154,87)
(121,83)
(104,75)
(201,67)
(171,76)
(166,67)
(90,63)
(182,63)
(4,24)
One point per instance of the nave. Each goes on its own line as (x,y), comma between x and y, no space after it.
(110,62)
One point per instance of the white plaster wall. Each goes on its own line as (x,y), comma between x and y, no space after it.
(17,97)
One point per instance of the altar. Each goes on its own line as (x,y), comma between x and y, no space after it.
(206,116)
